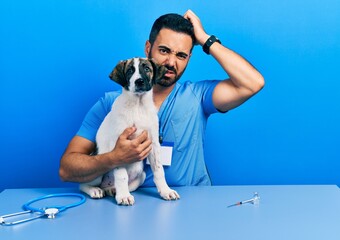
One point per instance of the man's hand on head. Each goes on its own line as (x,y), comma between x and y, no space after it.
(200,35)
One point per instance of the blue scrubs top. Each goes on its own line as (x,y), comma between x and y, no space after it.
(182,119)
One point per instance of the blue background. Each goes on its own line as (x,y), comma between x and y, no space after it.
(55,57)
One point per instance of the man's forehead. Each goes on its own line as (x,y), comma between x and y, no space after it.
(176,41)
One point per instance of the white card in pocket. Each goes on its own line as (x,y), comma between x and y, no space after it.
(166,153)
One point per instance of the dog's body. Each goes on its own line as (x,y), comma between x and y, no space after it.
(134,107)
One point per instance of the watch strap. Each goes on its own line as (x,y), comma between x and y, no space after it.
(211,40)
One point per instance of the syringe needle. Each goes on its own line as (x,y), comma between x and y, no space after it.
(235,204)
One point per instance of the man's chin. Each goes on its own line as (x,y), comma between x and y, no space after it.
(167,82)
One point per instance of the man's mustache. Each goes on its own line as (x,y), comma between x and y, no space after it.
(171,68)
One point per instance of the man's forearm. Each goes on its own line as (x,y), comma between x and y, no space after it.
(79,167)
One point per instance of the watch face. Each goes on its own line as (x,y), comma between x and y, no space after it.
(211,40)
(215,39)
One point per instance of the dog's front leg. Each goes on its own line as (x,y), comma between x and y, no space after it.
(123,196)
(159,176)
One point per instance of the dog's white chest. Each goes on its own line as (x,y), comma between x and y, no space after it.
(140,113)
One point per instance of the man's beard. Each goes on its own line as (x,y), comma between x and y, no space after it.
(166,81)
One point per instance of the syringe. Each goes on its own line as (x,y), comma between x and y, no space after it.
(254,200)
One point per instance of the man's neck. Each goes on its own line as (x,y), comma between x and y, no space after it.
(160,93)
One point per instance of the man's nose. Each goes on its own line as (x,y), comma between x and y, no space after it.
(171,59)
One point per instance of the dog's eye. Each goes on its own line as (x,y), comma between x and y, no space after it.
(147,69)
(130,71)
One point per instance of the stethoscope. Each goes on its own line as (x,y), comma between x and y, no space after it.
(48,211)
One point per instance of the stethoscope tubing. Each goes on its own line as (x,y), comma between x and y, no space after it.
(27,206)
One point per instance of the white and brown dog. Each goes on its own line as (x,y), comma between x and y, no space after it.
(134,107)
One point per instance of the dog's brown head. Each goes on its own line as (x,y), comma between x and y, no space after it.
(138,75)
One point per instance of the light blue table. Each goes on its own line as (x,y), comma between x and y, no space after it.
(285,212)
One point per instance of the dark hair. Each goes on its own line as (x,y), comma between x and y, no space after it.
(174,22)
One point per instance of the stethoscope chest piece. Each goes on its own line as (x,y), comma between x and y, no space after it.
(51,212)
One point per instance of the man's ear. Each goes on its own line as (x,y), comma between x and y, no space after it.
(147,48)
(158,71)
(118,74)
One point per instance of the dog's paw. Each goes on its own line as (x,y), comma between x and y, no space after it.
(110,191)
(169,194)
(96,192)
(126,200)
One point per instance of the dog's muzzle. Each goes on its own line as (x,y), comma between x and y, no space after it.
(142,85)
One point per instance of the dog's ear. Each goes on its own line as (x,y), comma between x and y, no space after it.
(118,74)
(158,71)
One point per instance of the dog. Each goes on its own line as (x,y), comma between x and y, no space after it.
(134,107)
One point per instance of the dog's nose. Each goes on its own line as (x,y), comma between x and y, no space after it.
(139,82)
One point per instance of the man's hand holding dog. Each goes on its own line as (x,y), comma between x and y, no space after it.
(129,151)
(78,153)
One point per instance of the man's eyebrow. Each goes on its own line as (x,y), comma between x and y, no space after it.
(169,49)
(164,47)
(184,53)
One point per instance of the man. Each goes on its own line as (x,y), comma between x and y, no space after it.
(183,108)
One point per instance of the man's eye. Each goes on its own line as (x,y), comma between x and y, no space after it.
(182,56)
(163,51)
